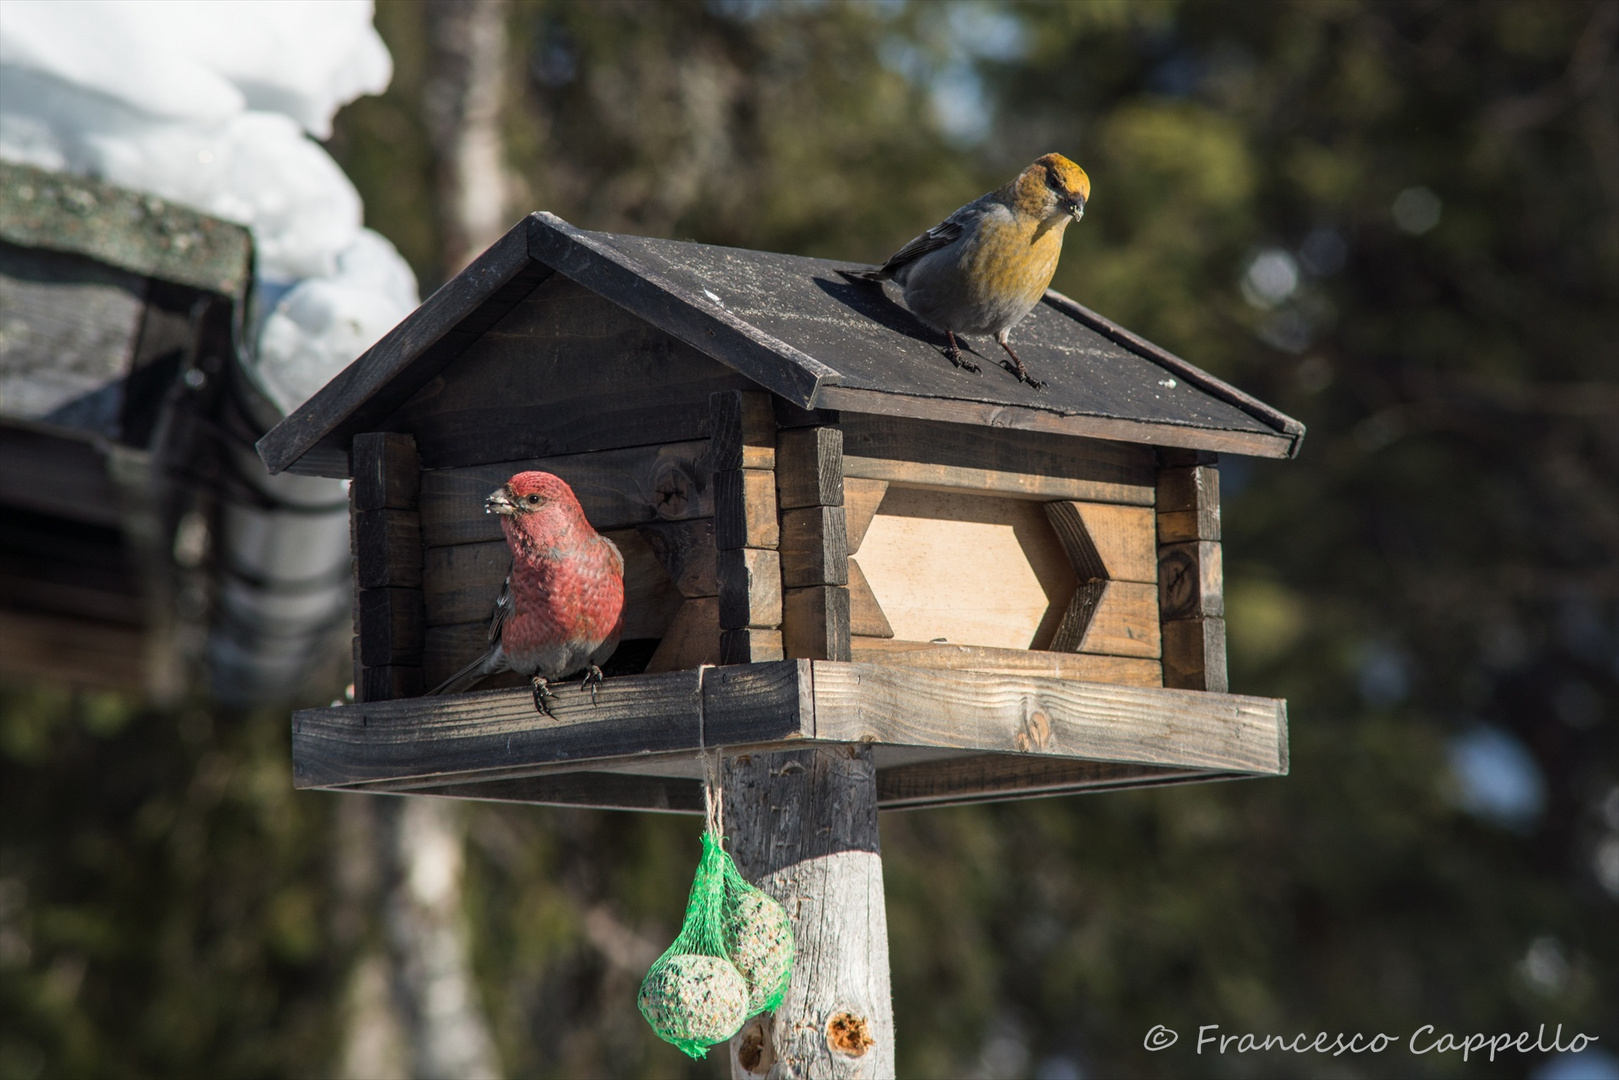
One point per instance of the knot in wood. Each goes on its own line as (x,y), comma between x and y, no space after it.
(755,1052)
(1035,733)
(849,1034)
(674,492)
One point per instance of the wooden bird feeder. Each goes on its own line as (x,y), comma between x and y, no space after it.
(831,535)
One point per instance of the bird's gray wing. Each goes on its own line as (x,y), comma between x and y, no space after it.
(941,235)
(503,608)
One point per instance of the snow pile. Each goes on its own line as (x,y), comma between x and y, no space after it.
(212,105)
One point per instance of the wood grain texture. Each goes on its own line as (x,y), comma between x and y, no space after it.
(387,472)
(861,498)
(388,549)
(389,682)
(758,703)
(692,638)
(999,777)
(392,625)
(469,734)
(618,489)
(564,371)
(1195,655)
(744,430)
(1190,580)
(583,790)
(750,586)
(814,547)
(1020,463)
(815,622)
(1121,540)
(750,646)
(866,616)
(1127,671)
(685,550)
(803,825)
(1115,618)
(976,711)
(656,725)
(745,509)
(809,467)
(1040,421)
(1076,621)
(1188,504)
(972,568)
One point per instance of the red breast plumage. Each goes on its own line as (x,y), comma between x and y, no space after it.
(561,610)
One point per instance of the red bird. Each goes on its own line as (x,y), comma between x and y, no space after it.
(562,608)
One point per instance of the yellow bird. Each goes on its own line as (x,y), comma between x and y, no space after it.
(984,267)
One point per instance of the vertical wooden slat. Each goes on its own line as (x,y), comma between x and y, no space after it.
(390,622)
(747,530)
(1190,577)
(814,543)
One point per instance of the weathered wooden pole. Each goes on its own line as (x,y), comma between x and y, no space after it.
(802,825)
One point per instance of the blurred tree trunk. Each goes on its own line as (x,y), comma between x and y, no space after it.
(465,97)
(413,1000)
(413,1008)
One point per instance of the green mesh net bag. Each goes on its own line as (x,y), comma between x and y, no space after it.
(731,960)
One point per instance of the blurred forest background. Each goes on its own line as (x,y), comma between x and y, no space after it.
(1398,222)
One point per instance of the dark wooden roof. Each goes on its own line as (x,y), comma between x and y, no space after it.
(797,327)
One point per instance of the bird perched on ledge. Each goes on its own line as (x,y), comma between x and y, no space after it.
(984,267)
(562,608)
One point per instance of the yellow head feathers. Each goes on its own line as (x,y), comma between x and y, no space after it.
(1053,184)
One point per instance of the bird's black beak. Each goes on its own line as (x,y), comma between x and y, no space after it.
(1075,206)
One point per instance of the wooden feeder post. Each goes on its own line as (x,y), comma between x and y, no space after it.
(865,579)
(802,825)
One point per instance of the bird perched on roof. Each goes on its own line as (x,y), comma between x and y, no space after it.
(562,608)
(983,268)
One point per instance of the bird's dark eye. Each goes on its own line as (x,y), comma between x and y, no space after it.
(534,499)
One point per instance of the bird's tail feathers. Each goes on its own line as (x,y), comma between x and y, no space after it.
(463,680)
(878,275)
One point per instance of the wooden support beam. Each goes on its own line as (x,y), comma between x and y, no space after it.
(1189,504)
(1195,656)
(814,543)
(814,547)
(388,549)
(390,609)
(750,646)
(803,827)
(387,475)
(744,430)
(1190,575)
(745,509)
(815,622)
(809,467)
(750,586)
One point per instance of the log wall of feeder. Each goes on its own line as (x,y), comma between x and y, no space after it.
(747,531)
(1190,575)
(389,614)
(814,541)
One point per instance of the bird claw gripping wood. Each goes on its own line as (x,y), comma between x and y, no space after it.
(543,696)
(1016,368)
(954,353)
(592,682)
